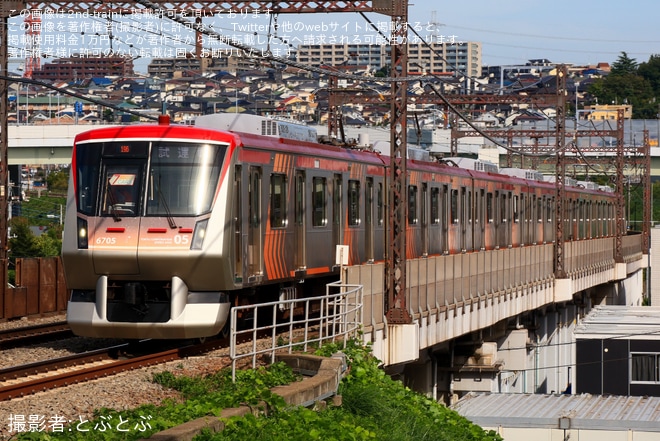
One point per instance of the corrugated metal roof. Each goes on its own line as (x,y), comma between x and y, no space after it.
(634,322)
(592,412)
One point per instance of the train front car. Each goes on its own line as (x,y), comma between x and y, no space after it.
(145,243)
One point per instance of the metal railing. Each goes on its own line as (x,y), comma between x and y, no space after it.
(314,320)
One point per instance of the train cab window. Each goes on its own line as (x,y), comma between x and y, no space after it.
(319,215)
(183,178)
(435,206)
(353,203)
(278,212)
(121,191)
(412,204)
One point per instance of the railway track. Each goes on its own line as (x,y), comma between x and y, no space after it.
(36,377)
(27,335)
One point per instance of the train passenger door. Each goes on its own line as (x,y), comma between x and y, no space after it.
(239,271)
(300,257)
(255,245)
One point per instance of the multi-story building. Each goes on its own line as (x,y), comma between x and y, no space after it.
(80,67)
(186,67)
(461,58)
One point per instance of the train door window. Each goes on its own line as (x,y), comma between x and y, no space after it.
(478,198)
(369,219)
(444,219)
(278,214)
(412,204)
(468,206)
(503,209)
(319,215)
(425,220)
(254,230)
(300,198)
(454,206)
(489,208)
(353,203)
(516,218)
(337,189)
(369,202)
(255,196)
(435,205)
(380,204)
(299,213)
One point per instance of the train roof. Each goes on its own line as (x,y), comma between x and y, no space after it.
(162,130)
(248,130)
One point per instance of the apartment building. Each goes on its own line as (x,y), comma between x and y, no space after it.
(438,58)
(79,67)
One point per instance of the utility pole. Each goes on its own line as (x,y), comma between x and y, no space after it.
(7,9)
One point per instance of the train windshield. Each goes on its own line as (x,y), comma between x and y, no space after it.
(159,178)
(182,178)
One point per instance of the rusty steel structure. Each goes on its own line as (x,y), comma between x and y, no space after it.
(398,11)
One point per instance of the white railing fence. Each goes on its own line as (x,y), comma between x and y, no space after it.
(295,324)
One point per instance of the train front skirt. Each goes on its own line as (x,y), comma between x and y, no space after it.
(187,314)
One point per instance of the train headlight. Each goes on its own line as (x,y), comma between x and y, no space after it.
(82,234)
(199,234)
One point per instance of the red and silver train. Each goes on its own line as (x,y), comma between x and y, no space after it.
(168,226)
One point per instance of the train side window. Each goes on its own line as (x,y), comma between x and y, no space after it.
(489,207)
(278,213)
(435,205)
(454,206)
(319,216)
(412,204)
(353,203)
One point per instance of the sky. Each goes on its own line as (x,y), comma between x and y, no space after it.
(511,32)
(563,31)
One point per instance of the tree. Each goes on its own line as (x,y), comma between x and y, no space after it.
(624,65)
(58,181)
(23,242)
(49,244)
(650,70)
(625,86)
